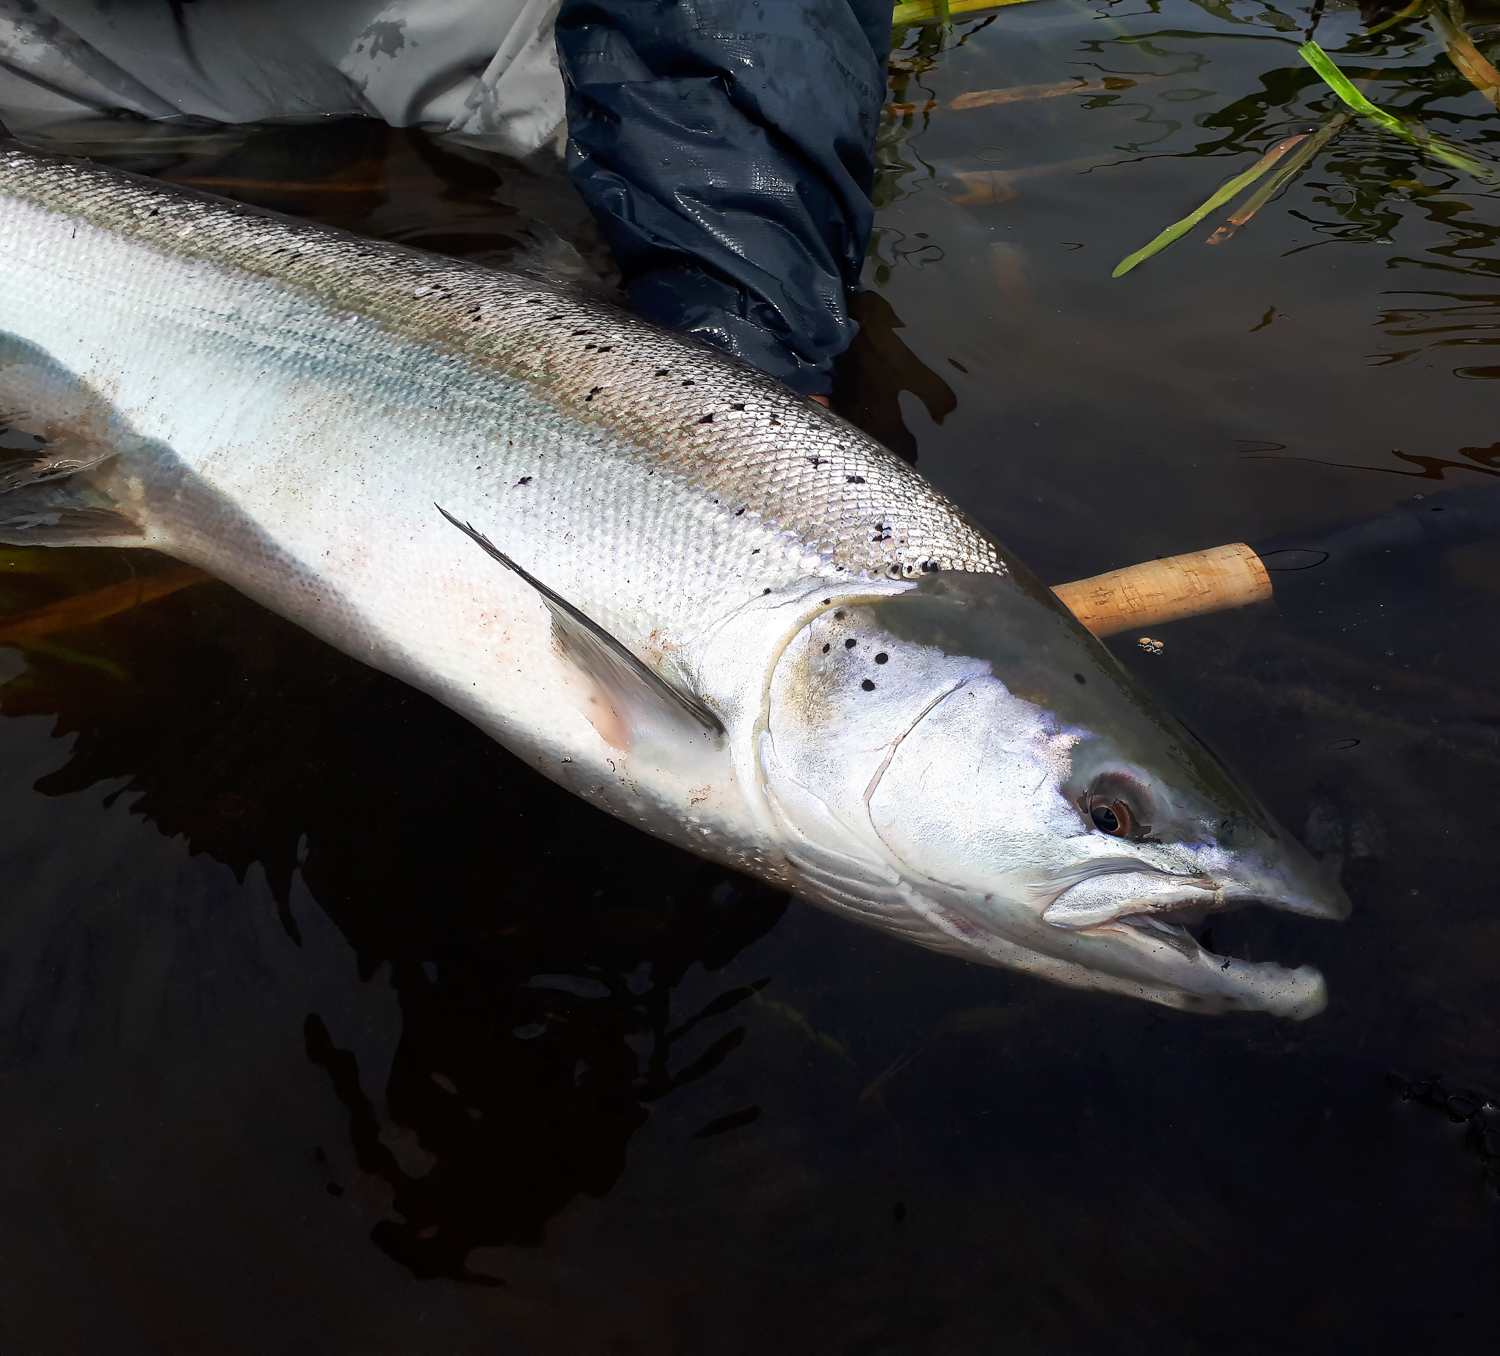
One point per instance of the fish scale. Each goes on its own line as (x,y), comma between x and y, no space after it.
(780,456)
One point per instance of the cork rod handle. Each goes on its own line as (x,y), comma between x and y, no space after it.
(1167,589)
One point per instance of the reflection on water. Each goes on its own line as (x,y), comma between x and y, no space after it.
(526,991)
(327,1026)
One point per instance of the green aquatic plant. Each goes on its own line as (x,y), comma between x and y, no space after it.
(1415,133)
(1410,12)
(1232,189)
(1288,170)
(940,11)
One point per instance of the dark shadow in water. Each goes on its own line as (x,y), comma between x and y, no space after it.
(533,941)
(876,368)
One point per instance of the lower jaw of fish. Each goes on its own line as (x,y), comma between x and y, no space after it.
(1265,985)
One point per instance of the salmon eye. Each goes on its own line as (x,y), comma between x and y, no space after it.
(1119,805)
(1113,817)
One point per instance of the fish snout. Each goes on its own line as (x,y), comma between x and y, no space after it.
(1290,880)
(1281,874)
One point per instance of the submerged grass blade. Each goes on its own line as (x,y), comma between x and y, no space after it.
(1418,135)
(1178,229)
(84,609)
(1448,20)
(1294,164)
(1410,12)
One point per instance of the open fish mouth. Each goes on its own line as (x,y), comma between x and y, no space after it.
(1170,921)
(1208,980)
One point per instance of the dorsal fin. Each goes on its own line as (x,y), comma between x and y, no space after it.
(640,700)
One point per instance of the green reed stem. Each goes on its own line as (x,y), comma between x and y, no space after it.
(1295,163)
(1178,229)
(1418,135)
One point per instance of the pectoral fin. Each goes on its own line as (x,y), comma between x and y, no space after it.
(46,498)
(630,704)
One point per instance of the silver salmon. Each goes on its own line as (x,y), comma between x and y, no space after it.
(693,597)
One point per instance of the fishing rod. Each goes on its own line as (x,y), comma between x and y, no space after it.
(1223,577)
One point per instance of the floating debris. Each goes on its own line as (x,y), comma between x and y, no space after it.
(1151,646)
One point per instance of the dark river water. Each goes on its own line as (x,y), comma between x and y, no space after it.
(327,1027)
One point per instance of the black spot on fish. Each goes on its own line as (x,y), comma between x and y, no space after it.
(882,658)
(1078,677)
(854,480)
(592,394)
(826,648)
(707,419)
(740,406)
(576,332)
(765,591)
(868,685)
(524,480)
(826,601)
(662,372)
(690,383)
(587,347)
(930,567)
(839,615)
(738,511)
(606,348)
(818,461)
(850,644)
